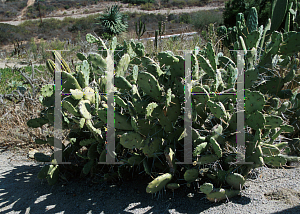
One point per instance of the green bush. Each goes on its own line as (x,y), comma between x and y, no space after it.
(233,7)
(138,1)
(9,33)
(202,19)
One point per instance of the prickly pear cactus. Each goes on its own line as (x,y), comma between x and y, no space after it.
(149,121)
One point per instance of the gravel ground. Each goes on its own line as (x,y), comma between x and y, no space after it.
(267,191)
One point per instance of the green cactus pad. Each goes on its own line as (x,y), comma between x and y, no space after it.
(200,149)
(285,94)
(149,84)
(150,108)
(173,186)
(53,174)
(135,160)
(84,109)
(120,101)
(235,180)
(254,101)
(88,166)
(152,67)
(252,20)
(76,94)
(141,106)
(122,82)
(81,56)
(41,157)
(216,131)
(205,65)
(96,132)
(92,152)
(43,173)
(251,76)
(217,109)
(167,58)
(69,82)
(272,86)
(211,55)
(47,90)
(206,188)
(205,159)
(168,116)
(216,147)
(287,128)
(273,121)
(131,140)
(97,61)
(220,194)
(139,49)
(256,120)
(202,95)
(269,149)
(152,146)
(37,122)
(191,175)
(70,108)
(276,161)
(290,76)
(122,65)
(158,183)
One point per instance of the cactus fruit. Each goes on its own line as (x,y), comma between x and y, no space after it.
(235,180)
(158,183)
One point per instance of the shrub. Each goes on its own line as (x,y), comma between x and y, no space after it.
(202,19)
(233,7)
(138,1)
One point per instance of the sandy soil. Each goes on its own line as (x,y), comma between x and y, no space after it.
(267,191)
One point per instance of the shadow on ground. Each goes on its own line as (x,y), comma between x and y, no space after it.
(22,192)
(292,210)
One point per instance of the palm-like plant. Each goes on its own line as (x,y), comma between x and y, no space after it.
(113,22)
